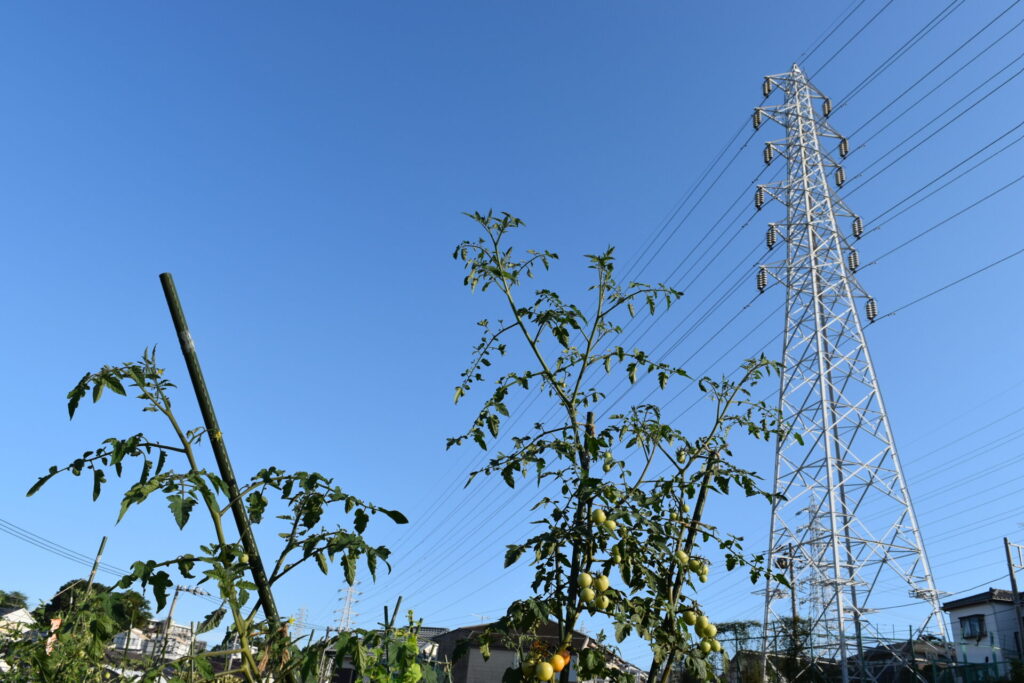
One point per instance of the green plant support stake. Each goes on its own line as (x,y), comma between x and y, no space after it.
(220,452)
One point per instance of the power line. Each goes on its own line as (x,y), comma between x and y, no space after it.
(56,548)
(943,14)
(951,284)
(807,55)
(878,225)
(614,388)
(944,81)
(662,231)
(853,37)
(939,129)
(947,219)
(63,551)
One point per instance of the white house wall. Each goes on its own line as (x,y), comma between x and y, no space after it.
(998,643)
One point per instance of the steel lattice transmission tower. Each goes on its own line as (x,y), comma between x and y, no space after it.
(844,531)
(348,614)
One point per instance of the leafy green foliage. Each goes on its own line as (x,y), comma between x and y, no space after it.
(387,655)
(306,503)
(14,599)
(85,622)
(638,472)
(128,608)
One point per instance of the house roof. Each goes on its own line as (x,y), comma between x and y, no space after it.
(431,631)
(921,648)
(991,595)
(547,633)
(19,614)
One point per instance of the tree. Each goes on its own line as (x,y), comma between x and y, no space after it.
(128,609)
(15,599)
(607,505)
(132,610)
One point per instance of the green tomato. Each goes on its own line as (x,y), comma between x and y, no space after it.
(702,622)
(598,516)
(584,580)
(711,630)
(695,564)
(601,583)
(544,671)
(682,558)
(686,508)
(705,646)
(689,617)
(587,594)
(716,646)
(610,524)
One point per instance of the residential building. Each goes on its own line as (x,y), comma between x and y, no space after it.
(426,639)
(473,668)
(985,628)
(889,662)
(15,621)
(344,672)
(178,638)
(150,641)
(130,641)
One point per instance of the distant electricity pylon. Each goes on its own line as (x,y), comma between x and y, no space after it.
(843,529)
(348,614)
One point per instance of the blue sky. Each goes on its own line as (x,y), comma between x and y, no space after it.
(301,170)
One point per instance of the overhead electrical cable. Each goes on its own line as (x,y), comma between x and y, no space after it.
(951,284)
(918,144)
(674,398)
(959,213)
(852,38)
(835,27)
(504,509)
(949,56)
(943,14)
(878,224)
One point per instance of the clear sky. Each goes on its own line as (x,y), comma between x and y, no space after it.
(301,169)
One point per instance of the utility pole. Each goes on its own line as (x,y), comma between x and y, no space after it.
(170,613)
(96,565)
(1013,567)
(843,468)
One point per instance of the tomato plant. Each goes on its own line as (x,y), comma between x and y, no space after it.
(173,468)
(606,506)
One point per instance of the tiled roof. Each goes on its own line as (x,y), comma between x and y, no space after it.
(991,595)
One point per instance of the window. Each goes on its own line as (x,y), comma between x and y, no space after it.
(972,626)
